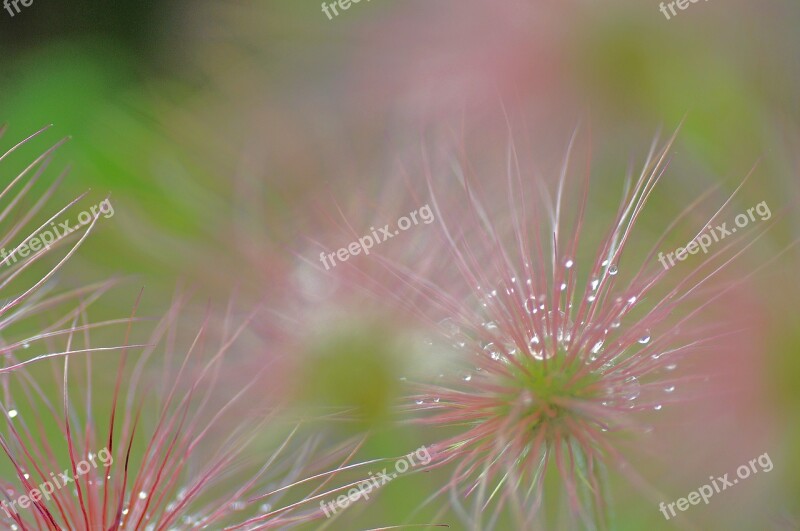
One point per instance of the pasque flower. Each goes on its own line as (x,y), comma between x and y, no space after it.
(25,284)
(167,440)
(563,341)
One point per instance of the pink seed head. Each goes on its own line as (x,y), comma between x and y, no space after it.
(558,346)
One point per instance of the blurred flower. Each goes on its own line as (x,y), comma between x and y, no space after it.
(178,438)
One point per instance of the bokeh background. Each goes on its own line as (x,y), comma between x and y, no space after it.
(217,126)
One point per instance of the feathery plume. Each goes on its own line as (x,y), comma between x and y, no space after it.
(563,346)
(164,442)
(25,240)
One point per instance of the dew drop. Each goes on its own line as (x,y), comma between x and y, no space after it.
(467,377)
(594,284)
(645,339)
(449,327)
(657,407)
(142,495)
(568,264)
(536,351)
(26,345)
(541,354)
(669,388)
(12,413)
(612,270)
(631,390)
(493,351)
(671,367)
(530,305)
(419,402)
(265,507)
(541,347)
(563,286)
